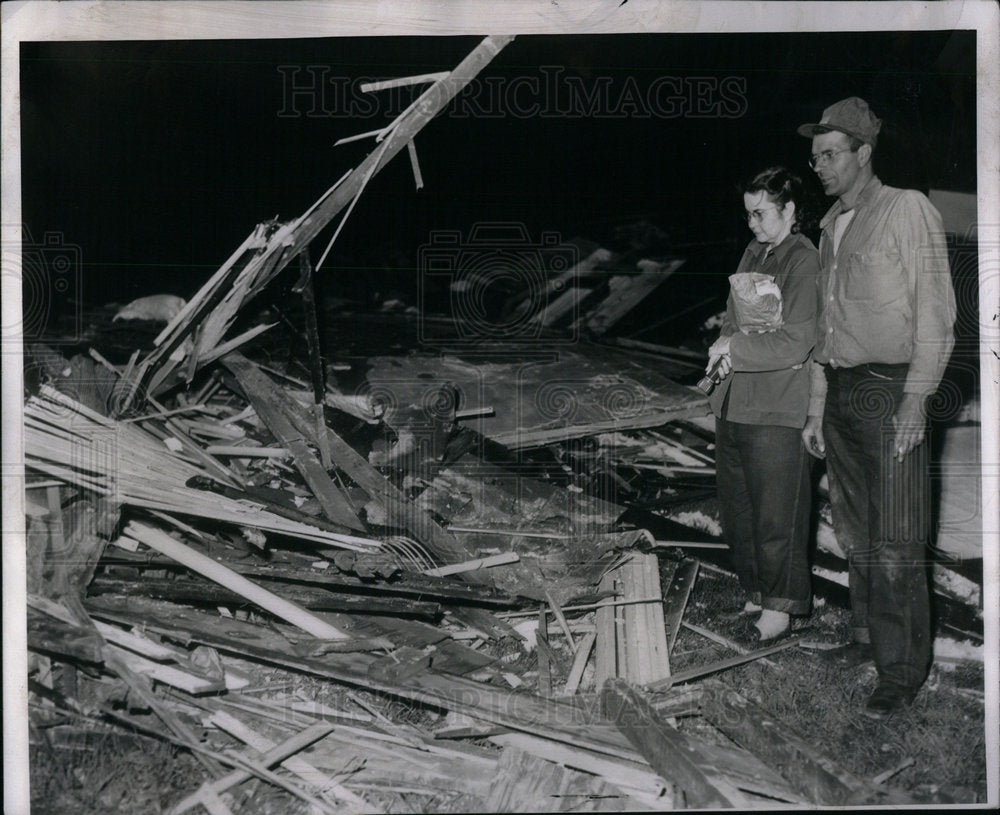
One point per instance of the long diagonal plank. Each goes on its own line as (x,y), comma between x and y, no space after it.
(669,752)
(270,405)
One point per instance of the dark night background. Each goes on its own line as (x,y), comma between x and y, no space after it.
(156,159)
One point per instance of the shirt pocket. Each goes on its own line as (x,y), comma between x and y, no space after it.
(877,280)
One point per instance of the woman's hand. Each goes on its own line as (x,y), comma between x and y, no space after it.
(719,352)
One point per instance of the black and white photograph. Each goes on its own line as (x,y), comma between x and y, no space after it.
(428,407)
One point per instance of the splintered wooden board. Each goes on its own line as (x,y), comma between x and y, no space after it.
(676,597)
(570,391)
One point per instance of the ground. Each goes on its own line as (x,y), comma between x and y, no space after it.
(81,766)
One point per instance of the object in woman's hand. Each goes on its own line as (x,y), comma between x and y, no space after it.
(708,382)
(756,302)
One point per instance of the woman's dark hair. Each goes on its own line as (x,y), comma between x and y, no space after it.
(782,185)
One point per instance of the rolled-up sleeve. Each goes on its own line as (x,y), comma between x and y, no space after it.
(791,344)
(817,389)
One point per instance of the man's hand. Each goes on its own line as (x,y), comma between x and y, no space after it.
(720,351)
(909,422)
(812,437)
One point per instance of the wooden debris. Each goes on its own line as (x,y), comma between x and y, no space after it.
(272,407)
(714,667)
(631,636)
(544,654)
(166,545)
(590,389)
(472,565)
(523,782)
(169,674)
(676,597)
(273,756)
(633,777)
(626,292)
(670,753)
(129,465)
(579,663)
(296,764)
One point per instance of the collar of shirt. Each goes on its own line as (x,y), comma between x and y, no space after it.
(864,198)
(759,250)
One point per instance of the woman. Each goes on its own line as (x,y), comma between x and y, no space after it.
(760,406)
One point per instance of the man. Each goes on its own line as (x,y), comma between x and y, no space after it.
(887,308)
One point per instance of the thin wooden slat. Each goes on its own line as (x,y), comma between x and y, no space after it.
(295,744)
(561,619)
(580,663)
(544,669)
(296,764)
(604,618)
(676,599)
(166,545)
(472,565)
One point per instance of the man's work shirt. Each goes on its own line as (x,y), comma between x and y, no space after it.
(885,292)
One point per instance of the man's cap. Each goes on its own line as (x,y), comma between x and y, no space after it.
(851,116)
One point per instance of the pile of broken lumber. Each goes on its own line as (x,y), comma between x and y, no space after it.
(183,550)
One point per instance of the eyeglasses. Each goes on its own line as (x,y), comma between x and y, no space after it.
(758,214)
(826,157)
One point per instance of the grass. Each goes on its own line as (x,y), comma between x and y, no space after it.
(943,732)
(101,770)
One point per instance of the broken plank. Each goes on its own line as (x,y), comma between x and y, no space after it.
(399,509)
(579,663)
(185,555)
(635,778)
(676,598)
(296,764)
(167,674)
(626,292)
(561,619)
(542,647)
(183,590)
(271,407)
(56,637)
(472,565)
(675,757)
(714,667)
(407,584)
(288,748)
(606,657)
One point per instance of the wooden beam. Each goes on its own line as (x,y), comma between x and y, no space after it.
(213,570)
(399,510)
(673,756)
(271,407)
